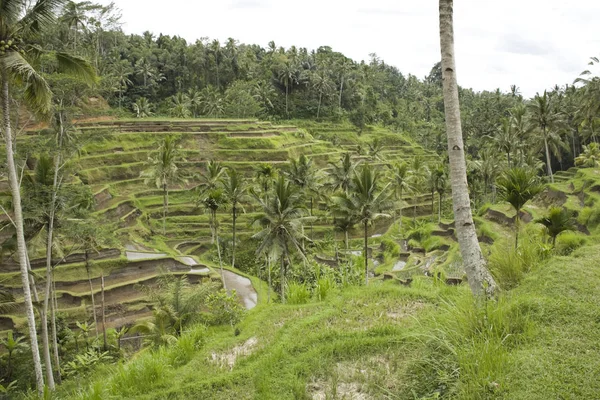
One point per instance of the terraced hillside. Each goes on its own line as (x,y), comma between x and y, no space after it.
(111,161)
(114,156)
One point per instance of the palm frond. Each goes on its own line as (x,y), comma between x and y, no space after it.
(37,92)
(76,66)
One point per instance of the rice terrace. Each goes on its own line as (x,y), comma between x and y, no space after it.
(206,219)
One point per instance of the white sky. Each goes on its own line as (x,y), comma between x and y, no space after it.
(534,44)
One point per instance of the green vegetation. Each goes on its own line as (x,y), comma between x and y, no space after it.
(141,243)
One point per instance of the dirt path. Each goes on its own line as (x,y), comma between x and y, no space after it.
(243,287)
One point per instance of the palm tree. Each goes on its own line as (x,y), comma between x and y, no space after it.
(400,177)
(287,76)
(517,186)
(265,176)
(365,203)
(162,171)
(341,173)
(282,219)
(120,72)
(438,183)
(234,188)
(212,201)
(375,150)
(211,178)
(302,173)
(12,347)
(590,158)
(418,175)
(180,105)
(488,168)
(557,221)
(142,108)
(74,17)
(480,279)
(22,23)
(322,84)
(544,117)
(212,102)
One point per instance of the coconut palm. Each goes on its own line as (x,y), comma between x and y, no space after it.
(557,220)
(418,172)
(322,84)
(142,108)
(544,116)
(375,150)
(21,24)
(287,76)
(212,201)
(400,178)
(211,178)
(590,158)
(517,186)
(302,173)
(180,105)
(265,176)
(162,171)
(283,218)
(235,189)
(480,279)
(365,203)
(341,173)
(213,103)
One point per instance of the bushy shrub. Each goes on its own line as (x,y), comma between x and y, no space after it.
(390,247)
(509,265)
(590,217)
(567,242)
(223,308)
(190,341)
(297,293)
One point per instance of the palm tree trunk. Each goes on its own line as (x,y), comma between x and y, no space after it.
(319,107)
(346,241)
(103,310)
(440,208)
(433,205)
(366,248)
(480,280)
(548,162)
(287,113)
(47,294)
(517,227)
(282,277)
(87,268)
(269,279)
(165,207)
(400,225)
(53,310)
(21,246)
(219,255)
(341,90)
(234,212)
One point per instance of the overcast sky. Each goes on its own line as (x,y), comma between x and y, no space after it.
(534,44)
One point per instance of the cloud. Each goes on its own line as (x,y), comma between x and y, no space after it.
(522,45)
(248,4)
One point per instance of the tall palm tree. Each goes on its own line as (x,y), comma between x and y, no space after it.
(74,17)
(235,189)
(322,84)
(287,75)
(517,186)
(210,179)
(341,173)
(162,171)
(544,117)
(557,220)
(366,203)
(21,23)
(212,201)
(283,218)
(480,279)
(418,176)
(400,177)
(265,176)
(213,103)
(302,173)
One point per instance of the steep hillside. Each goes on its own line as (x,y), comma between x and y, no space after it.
(111,160)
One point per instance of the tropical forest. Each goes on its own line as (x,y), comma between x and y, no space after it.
(225,220)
